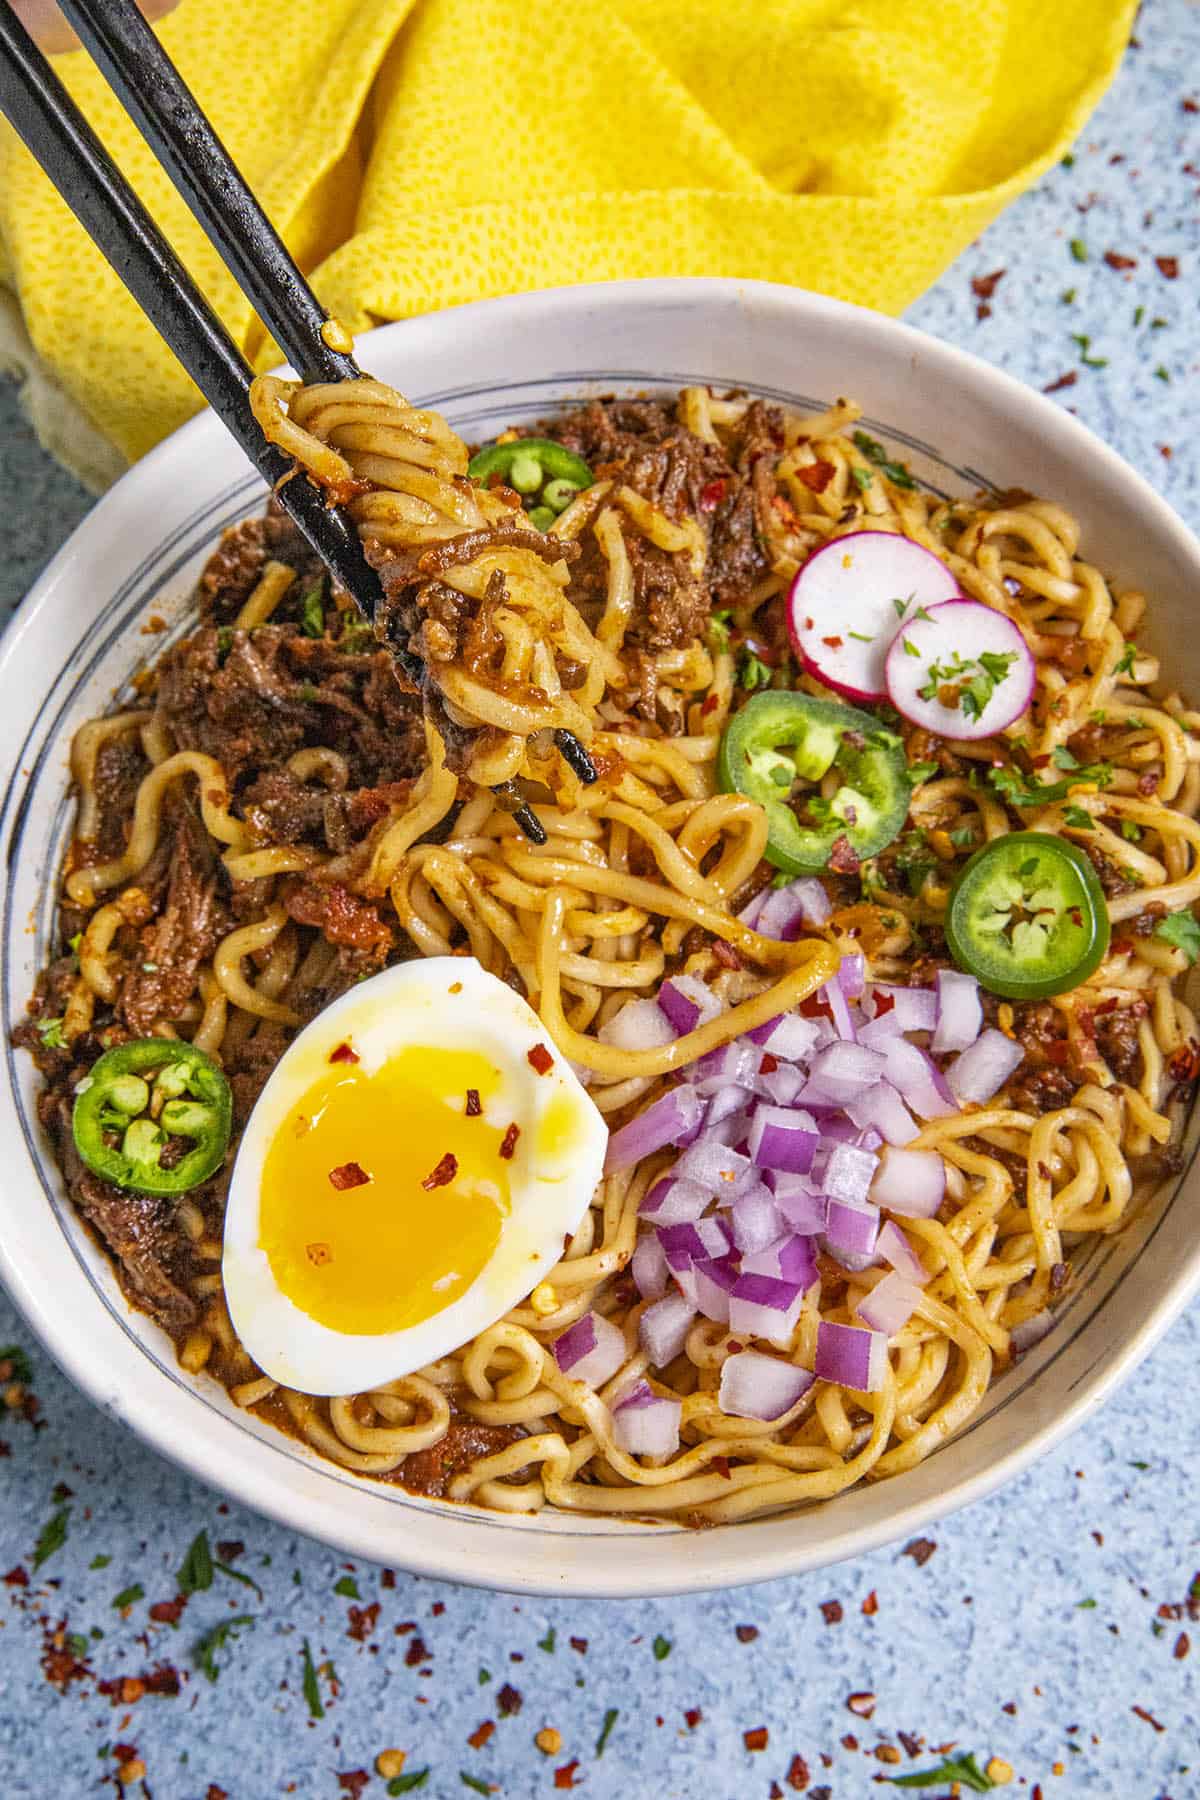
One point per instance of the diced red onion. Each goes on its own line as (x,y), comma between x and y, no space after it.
(674,1202)
(853,1263)
(790,1037)
(882,1111)
(960,1011)
(915,1009)
(843,1022)
(733,1065)
(761,1306)
(1031,1331)
(889,1305)
(910,1182)
(646,1423)
(982,1071)
(843,1071)
(895,1248)
(591,1350)
(754,1386)
(786,909)
(687,1002)
(851,1227)
(649,1266)
(754,1219)
(749,913)
(715,1235)
(665,1121)
(663,1328)
(876,1032)
(725,1103)
(715,1167)
(852,974)
(639,1025)
(789,1258)
(780,1085)
(685,1280)
(779,1141)
(800,1205)
(847,1174)
(917,1078)
(851,1357)
(715,1282)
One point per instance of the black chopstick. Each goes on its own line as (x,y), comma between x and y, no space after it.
(153,92)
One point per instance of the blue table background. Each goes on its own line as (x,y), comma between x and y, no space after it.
(1051,1626)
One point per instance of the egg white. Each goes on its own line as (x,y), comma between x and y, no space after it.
(451,1003)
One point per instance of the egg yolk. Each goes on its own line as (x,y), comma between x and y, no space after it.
(383,1194)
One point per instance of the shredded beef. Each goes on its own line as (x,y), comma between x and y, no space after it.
(1113,879)
(1117,1042)
(466,1441)
(120,766)
(185,933)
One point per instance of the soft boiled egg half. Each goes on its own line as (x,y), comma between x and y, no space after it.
(411,1170)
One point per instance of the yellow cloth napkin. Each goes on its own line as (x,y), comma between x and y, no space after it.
(419,153)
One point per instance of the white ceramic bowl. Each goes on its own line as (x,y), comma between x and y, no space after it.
(76,640)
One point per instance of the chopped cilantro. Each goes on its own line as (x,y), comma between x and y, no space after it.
(754,673)
(128,1596)
(910,649)
(1139,315)
(1014,787)
(485,1675)
(861,636)
(914,860)
(963,837)
(963,1769)
(312,612)
(99,1562)
(19,1363)
(661,1648)
(1130,832)
(547,1643)
(1078,250)
(718,629)
(1068,296)
(1162,374)
(902,606)
(1067,161)
(1125,666)
(473,1781)
(875,453)
(347,1587)
(224,642)
(1078,817)
(216,1639)
(1139,1465)
(408,1784)
(1085,1605)
(1086,358)
(51,1033)
(1063,758)
(307,691)
(312,1692)
(610,1719)
(974,679)
(52,1536)
(196,1570)
(922,771)
(78,1646)
(1182,931)
(237,1575)
(862,478)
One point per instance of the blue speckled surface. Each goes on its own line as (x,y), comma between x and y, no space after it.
(1036,1629)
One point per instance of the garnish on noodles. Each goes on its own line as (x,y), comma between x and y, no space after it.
(868,945)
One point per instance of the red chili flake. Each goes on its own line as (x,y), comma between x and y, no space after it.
(726,954)
(1168,266)
(213,1792)
(539,1059)
(756,1739)
(870,1605)
(481,1734)
(348,1175)
(843,858)
(711,703)
(1185,1064)
(1064,381)
(849,1742)
(797,1776)
(17,1577)
(835,643)
(1121,946)
(445,1172)
(915,1745)
(474,1103)
(984,286)
(1107,1006)
(167,1612)
(816,476)
(1116,261)
(162,1679)
(229,1549)
(580,1645)
(769,1063)
(1183,1644)
(831,1612)
(363,1620)
(387,1578)
(509,1701)
(1075,914)
(920,1549)
(124,1753)
(342,1053)
(418,1652)
(1148,1716)
(861,1704)
(353,1781)
(746,1634)
(721,1465)
(712,494)
(565,1777)
(692,1717)
(1057,1051)
(508,1142)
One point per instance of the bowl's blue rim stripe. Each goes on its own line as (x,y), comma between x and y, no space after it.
(114,620)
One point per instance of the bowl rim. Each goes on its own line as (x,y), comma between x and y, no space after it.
(744,1558)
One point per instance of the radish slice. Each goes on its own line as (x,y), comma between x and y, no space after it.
(968,654)
(848,600)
